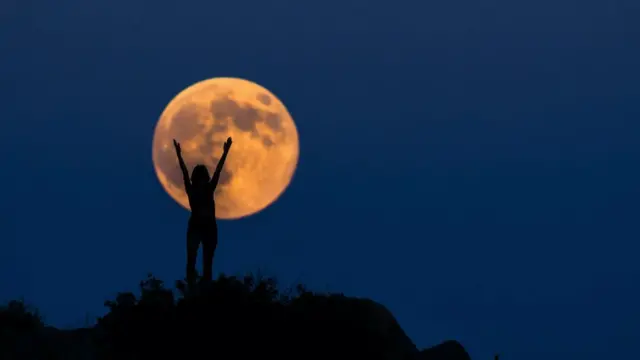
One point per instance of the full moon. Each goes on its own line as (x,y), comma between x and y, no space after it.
(261,161)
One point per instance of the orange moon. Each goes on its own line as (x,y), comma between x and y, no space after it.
(261,161)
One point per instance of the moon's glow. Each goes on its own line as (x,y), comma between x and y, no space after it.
(265,149)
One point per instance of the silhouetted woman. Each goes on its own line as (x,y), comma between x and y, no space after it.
(202,223)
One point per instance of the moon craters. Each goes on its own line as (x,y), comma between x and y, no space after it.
(267,142)
(182,125)
(244,116)
(223,108)
(274,121)
(168,156)
(247,118)
(207,147)
(264,98)
(225,175)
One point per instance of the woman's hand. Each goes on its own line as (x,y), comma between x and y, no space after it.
(227,145)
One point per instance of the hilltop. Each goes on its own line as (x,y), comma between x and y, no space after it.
(230,318)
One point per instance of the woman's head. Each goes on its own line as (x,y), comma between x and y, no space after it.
(200,175)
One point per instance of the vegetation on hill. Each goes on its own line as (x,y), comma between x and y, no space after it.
(230,318)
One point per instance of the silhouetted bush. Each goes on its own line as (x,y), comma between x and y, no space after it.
(17,316)
(231,318)
(234,317)
(20,326)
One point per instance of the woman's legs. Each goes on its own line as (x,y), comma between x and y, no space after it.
(193,241)
(209,244)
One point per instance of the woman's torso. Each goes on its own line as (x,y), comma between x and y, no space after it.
(202,203)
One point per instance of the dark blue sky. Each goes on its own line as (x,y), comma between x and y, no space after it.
(472,165)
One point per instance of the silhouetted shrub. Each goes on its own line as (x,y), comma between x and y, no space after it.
(238,317)
(19,330)
(17,316)
(246,317)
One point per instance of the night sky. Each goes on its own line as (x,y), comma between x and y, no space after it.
(472,165)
